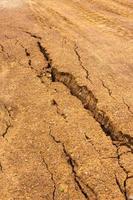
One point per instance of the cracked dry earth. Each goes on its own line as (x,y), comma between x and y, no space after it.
(66,100)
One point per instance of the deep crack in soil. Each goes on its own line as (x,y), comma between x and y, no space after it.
(35,111)
(89,102)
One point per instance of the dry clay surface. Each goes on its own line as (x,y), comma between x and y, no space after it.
(66,100)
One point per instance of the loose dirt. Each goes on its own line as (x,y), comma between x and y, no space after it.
(66,100)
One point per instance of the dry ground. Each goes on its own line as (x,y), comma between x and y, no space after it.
(66,100)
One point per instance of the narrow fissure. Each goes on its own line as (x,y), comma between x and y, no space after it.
(7,122)
(51,175)
(71,162)
(81,64)
(119,186)
(1,168)
(32,35)
(128,107)
(2,47)
(126,173)
(59,112)
(107,88)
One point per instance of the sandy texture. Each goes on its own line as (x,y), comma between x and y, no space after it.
(66,100)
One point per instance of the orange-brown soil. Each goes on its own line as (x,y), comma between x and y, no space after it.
(66,100)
